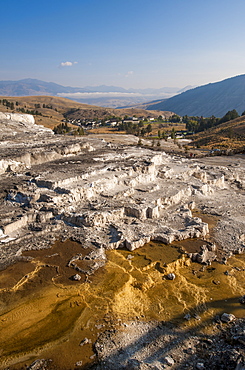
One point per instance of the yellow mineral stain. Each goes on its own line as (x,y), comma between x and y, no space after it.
(44,314)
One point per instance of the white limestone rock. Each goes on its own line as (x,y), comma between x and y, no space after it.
(25,119)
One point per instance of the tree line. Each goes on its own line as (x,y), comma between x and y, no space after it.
(138,129)
(197,124)
(15,106)
(63,128)
(8,104)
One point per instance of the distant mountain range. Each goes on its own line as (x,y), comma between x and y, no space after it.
(212,99)
(207,100)
(106,96)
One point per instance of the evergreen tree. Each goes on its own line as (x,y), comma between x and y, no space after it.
(230,115)
(148,128)
(164,136)
(173,133)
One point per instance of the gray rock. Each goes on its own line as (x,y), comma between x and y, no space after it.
(187,317)
(76,277)
(171,276)
(196,316)
(40,364)
(200,366)
(227,273)
(206,254)
(227,317)
(85,341)
(169,360)
(79,363)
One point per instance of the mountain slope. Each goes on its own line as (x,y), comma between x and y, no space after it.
(212,99)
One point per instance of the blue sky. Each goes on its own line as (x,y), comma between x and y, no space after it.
(127,43)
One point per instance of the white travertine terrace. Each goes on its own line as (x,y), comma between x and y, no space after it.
(111,196)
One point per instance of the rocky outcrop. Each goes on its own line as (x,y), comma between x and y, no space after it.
(16,126)
(24,160)
(24,119)
(111,196)
(206,254)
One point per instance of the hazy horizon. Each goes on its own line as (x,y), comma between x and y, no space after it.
(131,43)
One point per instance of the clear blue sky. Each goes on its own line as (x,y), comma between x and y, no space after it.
(128,43)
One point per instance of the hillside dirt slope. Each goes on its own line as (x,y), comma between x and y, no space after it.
(226,136)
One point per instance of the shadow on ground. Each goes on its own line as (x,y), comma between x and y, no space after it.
(190,343)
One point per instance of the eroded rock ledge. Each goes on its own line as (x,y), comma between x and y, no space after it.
(110,195)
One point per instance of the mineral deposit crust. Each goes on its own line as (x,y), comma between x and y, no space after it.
(112,195)
(108,195)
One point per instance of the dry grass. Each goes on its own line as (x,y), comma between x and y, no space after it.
(52,117)
(105,130)
(228,135)
(156,127)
